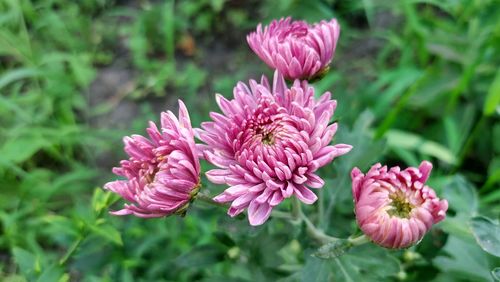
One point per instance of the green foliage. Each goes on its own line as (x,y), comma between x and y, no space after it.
(413,80)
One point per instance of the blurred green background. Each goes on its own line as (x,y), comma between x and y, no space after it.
(414,80)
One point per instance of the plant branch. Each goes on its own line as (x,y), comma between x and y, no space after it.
(316,233)
(207,199)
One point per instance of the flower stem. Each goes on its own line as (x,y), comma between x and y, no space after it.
(360,240)
(207,199)
(296,209)
(316,233)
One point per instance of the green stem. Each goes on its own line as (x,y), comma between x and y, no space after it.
(72,249)
(296,209)
(207,199)
(316,233)
(296,216)
(360,240)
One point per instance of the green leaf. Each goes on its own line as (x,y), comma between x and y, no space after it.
(461,195)
(27,261)
(51,274)
(464,260)
(316,270)
(333,249)
(102,199)
(17,74)
(493,98)
(496,137)
(406,140)
(487,234)
(495,273)
(366,263)
(108,232)
(82,70)
(200,256)
(398,82)
(19,150)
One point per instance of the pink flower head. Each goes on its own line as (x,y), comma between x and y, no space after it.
(393,207)
(296,48)
(163,172)
(269,143)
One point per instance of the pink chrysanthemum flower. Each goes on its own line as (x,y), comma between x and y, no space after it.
(295,48)
(393,207)
(268,144)
(163,172)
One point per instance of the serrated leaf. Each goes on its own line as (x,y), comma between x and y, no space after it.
(464,260)
(316,270)
(487,234)
(333,249)
(366,263)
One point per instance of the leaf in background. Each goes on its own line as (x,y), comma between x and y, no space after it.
(487,234)
(316,270)
(20,149)
(53,273)
(366,263)
(463,200)
(102,200)
(364,153)
(458,127)
(495,273)
(332,250)
(169,28)
(461,195)
(82,69)
(27,262)
(493,177)
(397,82)
(493,98)
(200,256)
(495,138)
(17,74)
(411,141)
(107,232)
(464,260)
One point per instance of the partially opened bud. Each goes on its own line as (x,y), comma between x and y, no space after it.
(394,208)
(296,49)
(162,172)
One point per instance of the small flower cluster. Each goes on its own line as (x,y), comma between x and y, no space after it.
(268,142)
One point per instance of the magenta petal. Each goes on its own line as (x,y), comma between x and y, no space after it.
(268,140)
(394,207)
(162,172)
(305,195)
(258,213)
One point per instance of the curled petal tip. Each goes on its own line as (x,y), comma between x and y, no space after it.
(393,208)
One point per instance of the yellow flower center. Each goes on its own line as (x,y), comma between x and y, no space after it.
(400,206)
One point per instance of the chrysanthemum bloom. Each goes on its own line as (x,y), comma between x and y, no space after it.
(269,143)
(163,172)
(394,207)
(295,48)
